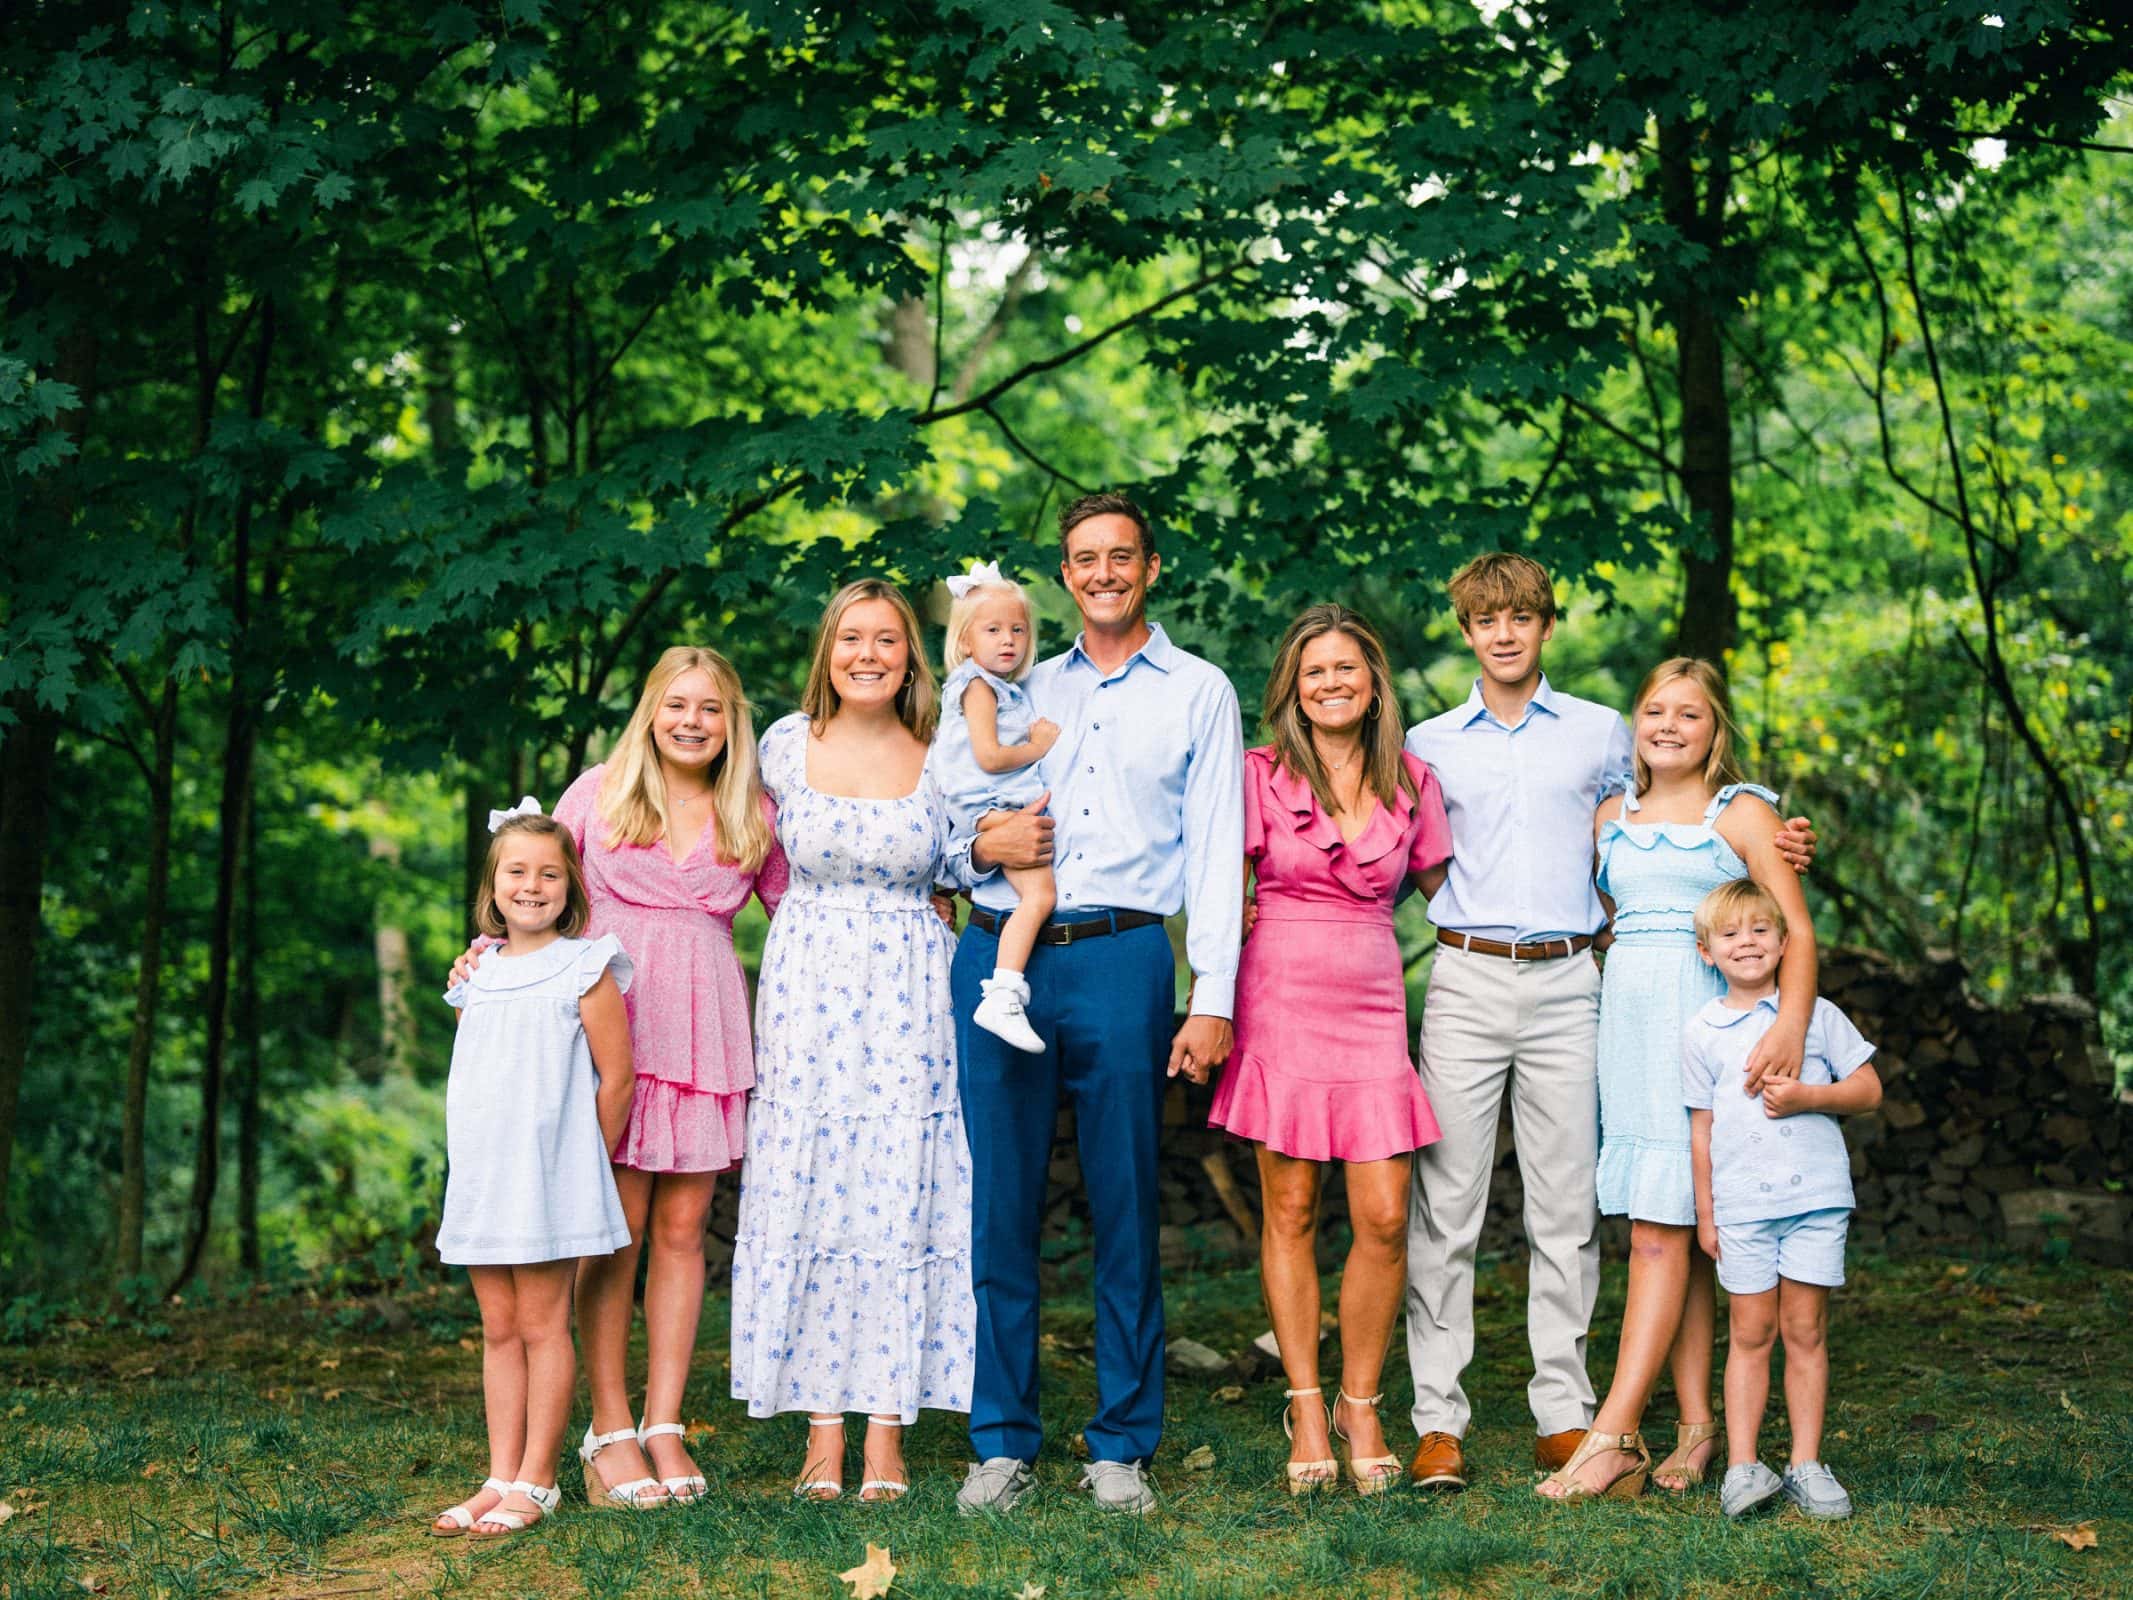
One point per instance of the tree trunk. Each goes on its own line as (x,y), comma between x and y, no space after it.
(389,946)
(250,1066)
(1708,624)
(147,994)
(26,760)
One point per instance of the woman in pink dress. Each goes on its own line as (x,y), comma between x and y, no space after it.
(675,833)
(1337,820)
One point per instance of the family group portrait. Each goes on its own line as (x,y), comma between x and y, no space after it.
(945,798)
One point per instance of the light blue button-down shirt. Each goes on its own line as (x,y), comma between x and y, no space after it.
(1521,800)
(1147,784)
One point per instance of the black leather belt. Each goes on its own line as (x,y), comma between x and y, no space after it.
(1071,932)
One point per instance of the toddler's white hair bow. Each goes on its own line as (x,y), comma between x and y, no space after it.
(527,807)
(981,572)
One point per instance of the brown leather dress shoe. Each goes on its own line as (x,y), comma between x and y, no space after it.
(1439,1464)
(1552,1451)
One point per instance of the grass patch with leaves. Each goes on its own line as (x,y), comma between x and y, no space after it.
(1982,1416)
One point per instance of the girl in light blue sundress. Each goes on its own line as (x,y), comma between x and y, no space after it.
(1688,825)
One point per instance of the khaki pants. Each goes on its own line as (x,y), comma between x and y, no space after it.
(1535,1025)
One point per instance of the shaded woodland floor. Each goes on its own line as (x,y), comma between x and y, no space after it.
(293,1446)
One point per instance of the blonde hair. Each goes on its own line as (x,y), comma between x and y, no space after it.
(1722,765)
(1502,581)
(632,801)
(918,704)
(577,907)
(1729,902)
(1384,773)
(965,611)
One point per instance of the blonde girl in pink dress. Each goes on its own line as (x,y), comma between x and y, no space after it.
(1337,820)
(675,833)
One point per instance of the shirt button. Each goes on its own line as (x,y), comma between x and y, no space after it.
(1084,810)
(1092,769)
(1098,726)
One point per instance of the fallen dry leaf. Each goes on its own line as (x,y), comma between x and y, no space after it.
(17,1410)
(329,1364)
(698,1429)
(1030,1591)
(870,1580)
(1229,1394)
(2081,1536)
(7,1512)
(331,1394)
(1199,1459)
(2070,1408)
(151,1469)
(470,1344)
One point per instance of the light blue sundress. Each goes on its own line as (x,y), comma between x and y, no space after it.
(1656,873)
(968,788)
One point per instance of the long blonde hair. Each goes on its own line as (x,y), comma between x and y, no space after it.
(918,704)
(633,796)
(965,610)
(1722,765)
(1384,773)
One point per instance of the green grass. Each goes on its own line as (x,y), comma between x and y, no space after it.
(1977,1407)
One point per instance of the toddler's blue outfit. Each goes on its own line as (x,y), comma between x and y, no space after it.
(1656,873)
(528,1177)
(968,788)
(1781,1187)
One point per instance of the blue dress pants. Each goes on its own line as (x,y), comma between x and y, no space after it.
(1104,1008)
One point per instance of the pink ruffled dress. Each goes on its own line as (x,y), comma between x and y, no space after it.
(1321,1069)
(689,1006)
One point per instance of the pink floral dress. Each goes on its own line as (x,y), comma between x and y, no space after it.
(689,1006)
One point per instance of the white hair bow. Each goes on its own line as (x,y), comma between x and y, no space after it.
(981,572)
(527,807)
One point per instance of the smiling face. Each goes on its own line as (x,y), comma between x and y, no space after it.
(997,635)
(689,726)
(1507,642)
(1675,726)
(531,884)
(869,655)
(1107,573)
(1747,948)
(1333,684)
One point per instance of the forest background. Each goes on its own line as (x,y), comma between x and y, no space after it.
(383,385)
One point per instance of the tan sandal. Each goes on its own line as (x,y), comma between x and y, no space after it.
(1372,1474)
(1627,1485)
(1307,1477)
(1687,1436)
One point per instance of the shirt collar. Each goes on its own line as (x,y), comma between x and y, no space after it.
(1158,652)
(1720,1015)
(1477,708)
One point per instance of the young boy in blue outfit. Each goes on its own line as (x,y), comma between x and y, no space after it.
(1773,1193)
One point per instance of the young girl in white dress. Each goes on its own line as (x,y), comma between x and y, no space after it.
(985,760)
(539,1094)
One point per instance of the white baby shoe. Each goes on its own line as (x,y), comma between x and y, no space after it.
(1000,1013)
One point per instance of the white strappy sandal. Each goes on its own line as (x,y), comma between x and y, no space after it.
(515,1522)
(682,1487)
(459,1517)
(890,1487)
(820,1488)
(636,1495)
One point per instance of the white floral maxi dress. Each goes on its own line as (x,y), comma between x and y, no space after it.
(851,1268)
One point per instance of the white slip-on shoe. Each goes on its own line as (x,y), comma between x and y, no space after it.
(1001,1014)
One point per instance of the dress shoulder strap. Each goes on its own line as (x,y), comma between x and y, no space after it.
(1724,798)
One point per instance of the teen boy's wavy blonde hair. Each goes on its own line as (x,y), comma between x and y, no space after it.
(632,801)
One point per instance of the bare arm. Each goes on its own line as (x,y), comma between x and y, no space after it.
(1751,827)
(607,1030)
(1787,1097)
(981,711)
(1700,1162)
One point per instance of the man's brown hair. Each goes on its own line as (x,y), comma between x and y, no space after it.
(1502,581)
(1105,505)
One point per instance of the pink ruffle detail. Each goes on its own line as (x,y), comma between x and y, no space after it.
(673,1128)
(1367,1119)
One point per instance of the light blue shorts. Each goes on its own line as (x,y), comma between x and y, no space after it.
(1808,1248)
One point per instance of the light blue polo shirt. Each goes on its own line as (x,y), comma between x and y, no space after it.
(1764,1167)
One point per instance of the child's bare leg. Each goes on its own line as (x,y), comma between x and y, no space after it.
(1751,1331)
(551,1370)
(1018,935)
(503,1382)
(1803,1315)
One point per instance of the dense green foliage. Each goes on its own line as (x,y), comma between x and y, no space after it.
(383,385)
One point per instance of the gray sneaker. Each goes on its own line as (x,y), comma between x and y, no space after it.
(1118,1486)
(1748,1486)
(1815,1490)
(994,1485)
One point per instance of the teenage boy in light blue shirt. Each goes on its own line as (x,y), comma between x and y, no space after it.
(1773,1192)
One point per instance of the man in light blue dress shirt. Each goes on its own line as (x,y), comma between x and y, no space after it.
(1145,817)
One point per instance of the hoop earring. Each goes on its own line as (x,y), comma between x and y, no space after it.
(1375,702)
(909,674)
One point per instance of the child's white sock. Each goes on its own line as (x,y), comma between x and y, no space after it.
(1013,979)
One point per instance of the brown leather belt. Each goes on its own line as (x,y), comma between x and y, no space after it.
(1071,932)
(1537,950)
